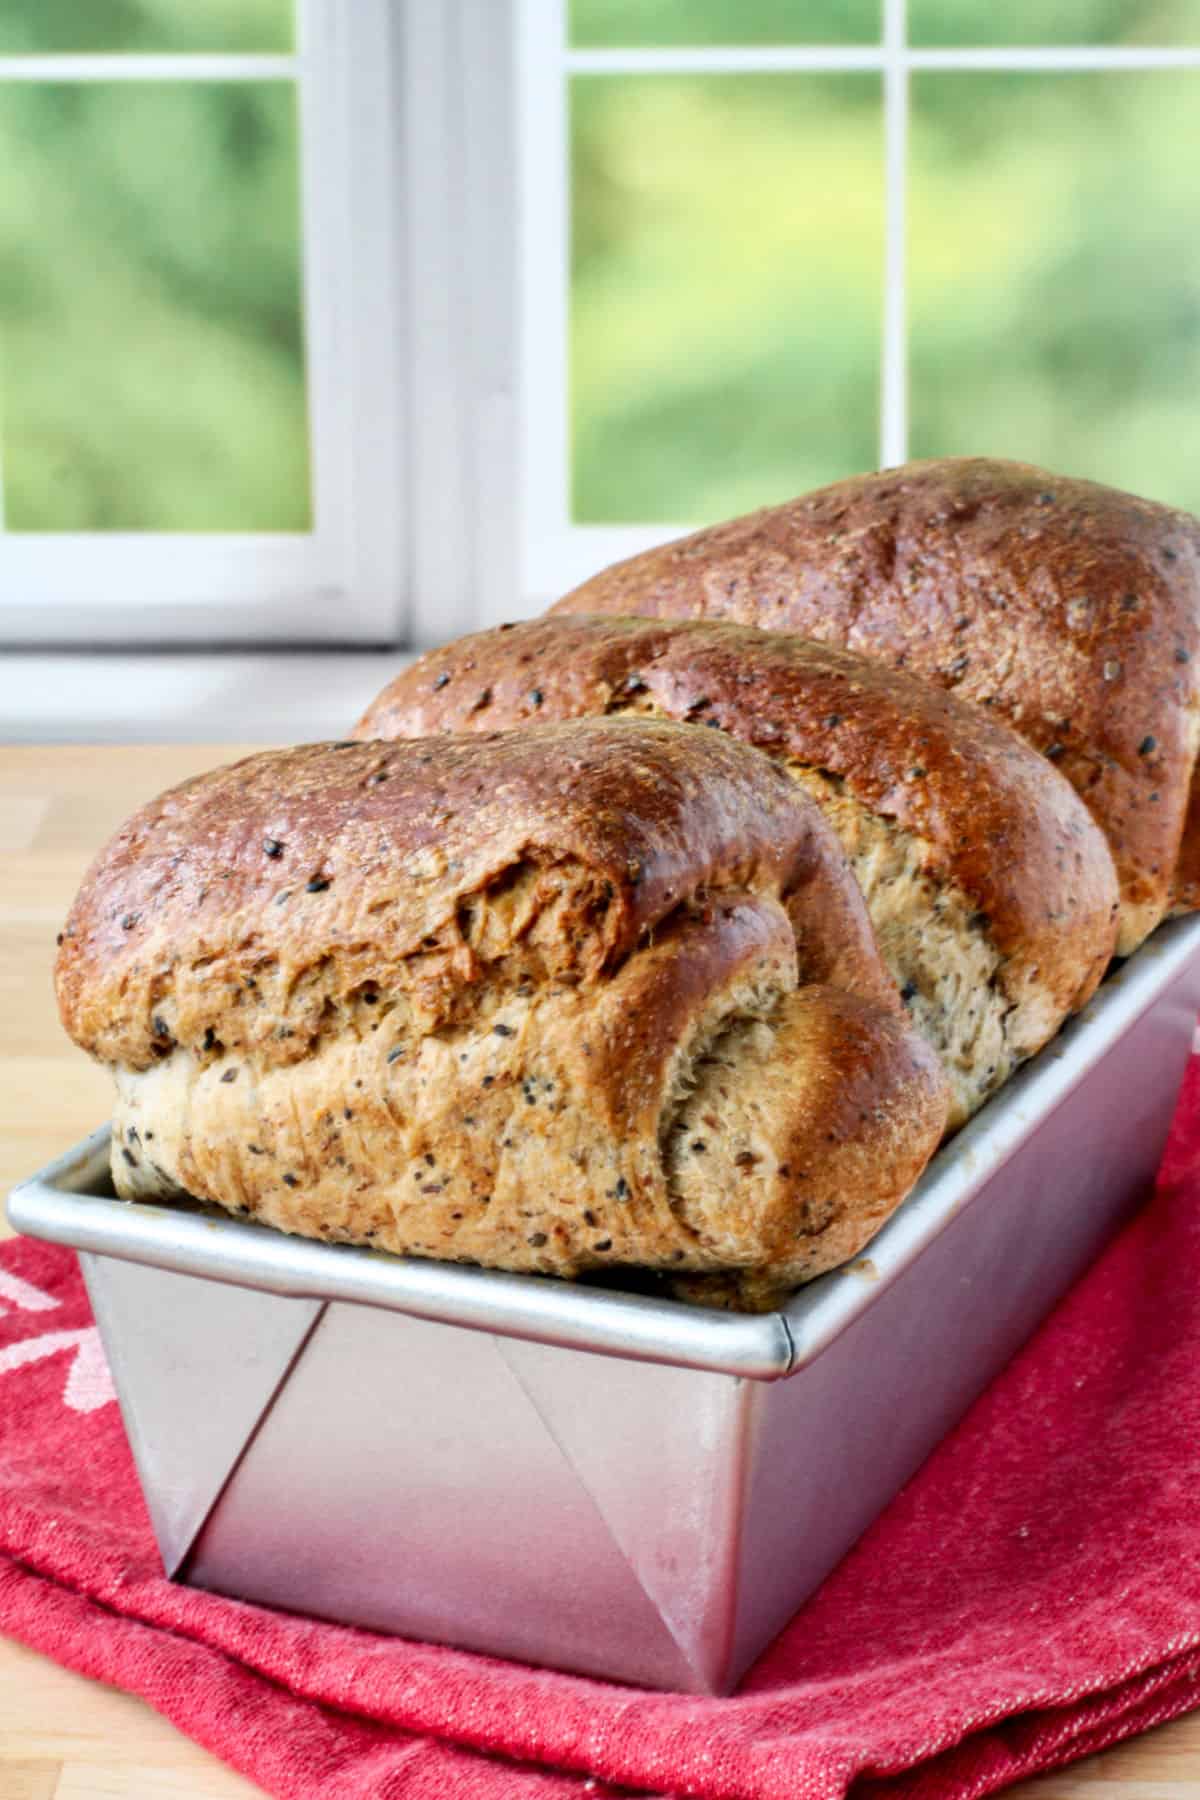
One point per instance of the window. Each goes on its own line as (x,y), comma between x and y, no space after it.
(331,320)
(200,425)
(768,243)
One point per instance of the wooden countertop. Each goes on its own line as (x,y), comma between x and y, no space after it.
(61,1737)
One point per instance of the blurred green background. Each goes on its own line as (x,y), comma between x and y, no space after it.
(727,256)
(1055,273)
(726,264)
(642,24)
(726,289)
(45,26)
(1163,23)
(151,340)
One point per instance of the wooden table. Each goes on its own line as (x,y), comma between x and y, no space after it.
(62,1736)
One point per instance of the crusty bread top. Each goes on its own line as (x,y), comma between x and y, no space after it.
(997,819)
(1071,609)
(267,893)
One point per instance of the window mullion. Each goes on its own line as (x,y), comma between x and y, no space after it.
(172,66)
(893,408)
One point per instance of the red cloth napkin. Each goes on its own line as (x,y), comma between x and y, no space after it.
(1033,1594)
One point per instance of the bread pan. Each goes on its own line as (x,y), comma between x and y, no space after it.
(597,1480)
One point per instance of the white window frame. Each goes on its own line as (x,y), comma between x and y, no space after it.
(343,581)
(554,553)
(436,236)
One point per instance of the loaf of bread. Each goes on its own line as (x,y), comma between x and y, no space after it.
(990,887)
(1069,609)
(601,995)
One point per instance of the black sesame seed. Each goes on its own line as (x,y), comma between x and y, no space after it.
(129,921)
(379,776)
(210,1038)
(908,992)
(698,705)
(430,1159)
(602,1244)
(370,998)
(698,1146)
(130,1158)
(503,1031)
(1046,498)
(589,1217)
(536,1239)
(395,1053)
(980,921)
(1054,751)
(487,1081)
(317,885)
(917,774)
(1147,744)
(536,696)
(634,684)
(291,1181)
(622,1188)
(272,847)
(255,1149)
(1182,655)
(441,680)
(347,1112)
(59,938)
(833,720)
(1169,555)
(482,699)
(230,1075)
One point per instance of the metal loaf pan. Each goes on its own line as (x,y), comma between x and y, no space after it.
(595,1480)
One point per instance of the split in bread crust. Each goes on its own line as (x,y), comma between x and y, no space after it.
(990,887)
(1069,609)
(602,995)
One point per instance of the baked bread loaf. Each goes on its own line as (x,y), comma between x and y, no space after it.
(600,995)
(1069,609)
(990,887)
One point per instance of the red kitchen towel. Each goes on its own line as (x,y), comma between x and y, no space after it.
(1033,1594)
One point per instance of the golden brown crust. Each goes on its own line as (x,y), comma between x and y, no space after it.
(1070,609)
(847,1063)
(994,820)
(460,1011)
(268,868)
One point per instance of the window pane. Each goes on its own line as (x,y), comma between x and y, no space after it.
(1163,23)
(1055,274)
(726,283)
(66,26)
(618,24)
(150,320)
